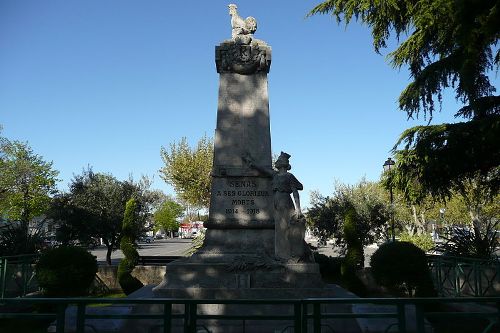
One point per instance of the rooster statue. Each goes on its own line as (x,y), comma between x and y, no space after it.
(242,29)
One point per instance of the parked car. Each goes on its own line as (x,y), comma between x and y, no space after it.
(146,239)
(159,236)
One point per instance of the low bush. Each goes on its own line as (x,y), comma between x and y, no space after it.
(423,241)
(402,266)
(329,267)
(331,270)
(66,271)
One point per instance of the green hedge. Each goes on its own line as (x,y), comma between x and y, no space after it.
(66,271)
(423,241)
(402,266)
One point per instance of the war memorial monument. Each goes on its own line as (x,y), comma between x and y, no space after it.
(254,244)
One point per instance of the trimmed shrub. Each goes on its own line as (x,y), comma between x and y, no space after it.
(66,271)
(402,266)
(354,258)
(129,283)
(423,241)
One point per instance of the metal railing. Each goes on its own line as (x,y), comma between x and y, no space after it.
(17,275)
(458,277)
(303,315)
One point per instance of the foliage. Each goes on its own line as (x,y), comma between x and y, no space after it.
(166,216)
(75,222)
(467,148)
(465,206)
(402,265)
(423,241)
(329,267)
(95,205)
(130,230)
(196,244)
(449,44)
(27,182)
(327,216)
(324,217)
(472,243)
(15,241)
(188,170)
(66,271)
(354,258)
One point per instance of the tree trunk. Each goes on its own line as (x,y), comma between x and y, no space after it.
(415,218)
(423,224)
(476,223)
(108,254)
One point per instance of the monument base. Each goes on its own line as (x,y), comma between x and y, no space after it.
(241,274)
(235,259)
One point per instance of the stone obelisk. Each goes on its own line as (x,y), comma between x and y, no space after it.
(241,212)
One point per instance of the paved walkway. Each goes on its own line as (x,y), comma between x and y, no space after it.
(160,247)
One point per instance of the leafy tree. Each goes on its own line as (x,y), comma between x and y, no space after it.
(188,170)
(94,207)
(324,218)
(27,183)
(166,216)
(366,200)
(75,223)
(448,44)
(412,216)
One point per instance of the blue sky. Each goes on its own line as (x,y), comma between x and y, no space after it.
(107,83)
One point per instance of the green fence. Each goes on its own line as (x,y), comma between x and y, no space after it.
(304,315)
(17,275)
(457,277)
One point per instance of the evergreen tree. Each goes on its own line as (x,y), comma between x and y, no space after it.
(445,44)
(130,229)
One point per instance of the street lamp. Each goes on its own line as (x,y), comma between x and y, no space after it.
(388,165)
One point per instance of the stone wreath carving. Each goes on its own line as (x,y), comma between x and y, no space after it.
(238,58)
(252,263)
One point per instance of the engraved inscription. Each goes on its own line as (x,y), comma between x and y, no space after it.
(242,197)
